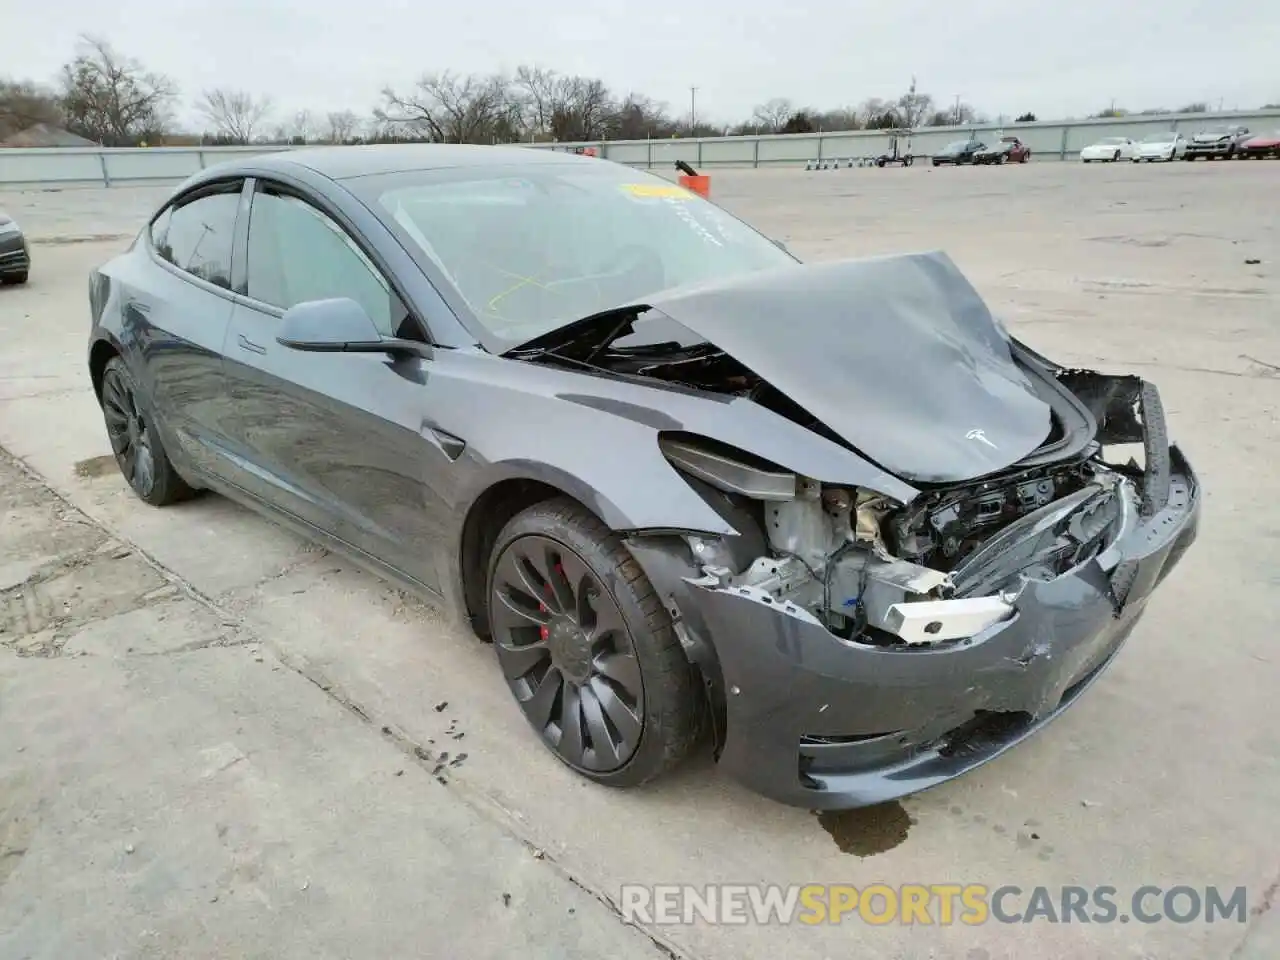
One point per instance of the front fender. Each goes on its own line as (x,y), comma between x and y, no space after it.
(642,492)
(596,438)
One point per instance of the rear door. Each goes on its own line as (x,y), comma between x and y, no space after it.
(176,304)
(333,438)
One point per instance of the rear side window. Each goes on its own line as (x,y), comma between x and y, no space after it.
(297,254)
(197,236)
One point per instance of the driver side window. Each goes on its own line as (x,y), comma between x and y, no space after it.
(297,253)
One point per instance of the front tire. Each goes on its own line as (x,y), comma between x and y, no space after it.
(17,279)
(588,649)
(135,441)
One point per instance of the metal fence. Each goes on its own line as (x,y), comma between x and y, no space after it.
(24,168)
(1056,140)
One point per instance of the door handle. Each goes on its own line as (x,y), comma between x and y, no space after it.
(247,344)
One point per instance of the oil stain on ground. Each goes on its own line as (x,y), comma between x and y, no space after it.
(868,830)
(95,467)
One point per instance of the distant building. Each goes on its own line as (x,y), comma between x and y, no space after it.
(45,135)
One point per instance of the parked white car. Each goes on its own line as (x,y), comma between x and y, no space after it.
(1165,145)
(1110,149)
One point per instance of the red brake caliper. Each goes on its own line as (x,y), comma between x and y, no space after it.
(543,631)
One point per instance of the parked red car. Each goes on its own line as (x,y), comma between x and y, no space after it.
(1263,145)
(1004,150)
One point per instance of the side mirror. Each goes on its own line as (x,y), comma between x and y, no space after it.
(339,325)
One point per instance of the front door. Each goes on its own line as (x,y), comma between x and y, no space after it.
(333,438)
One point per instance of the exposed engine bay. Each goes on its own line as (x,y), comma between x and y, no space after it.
(943,567)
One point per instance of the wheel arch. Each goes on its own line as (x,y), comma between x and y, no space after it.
(100,354)
(489,512)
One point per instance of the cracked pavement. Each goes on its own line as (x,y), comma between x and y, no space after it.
(272,785)
(168,787)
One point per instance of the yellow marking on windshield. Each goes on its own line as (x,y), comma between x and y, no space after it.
(656,190)
(523,282)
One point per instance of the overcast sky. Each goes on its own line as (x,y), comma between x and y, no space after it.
(1066,57)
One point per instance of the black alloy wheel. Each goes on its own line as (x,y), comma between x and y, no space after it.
(567,654)
(136,444)
(588,649)
(129,432)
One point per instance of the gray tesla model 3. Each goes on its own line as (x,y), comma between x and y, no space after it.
(830,518)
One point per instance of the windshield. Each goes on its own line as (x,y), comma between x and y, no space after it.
(1217,131)
(1111,141)
(956,146)
(1158,138)
(532,248)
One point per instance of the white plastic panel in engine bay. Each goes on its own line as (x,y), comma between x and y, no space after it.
(932,621)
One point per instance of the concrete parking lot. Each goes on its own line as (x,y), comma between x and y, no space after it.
(218,740)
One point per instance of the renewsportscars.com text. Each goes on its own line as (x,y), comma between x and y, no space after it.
(929,904)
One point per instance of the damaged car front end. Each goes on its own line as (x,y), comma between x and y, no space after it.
(860,643)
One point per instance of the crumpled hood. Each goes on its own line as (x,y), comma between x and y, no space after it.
(1210,137)
(898,355)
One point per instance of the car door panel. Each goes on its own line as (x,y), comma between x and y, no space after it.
(175,308)
(335,439)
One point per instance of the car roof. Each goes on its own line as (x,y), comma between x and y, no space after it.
(343,162)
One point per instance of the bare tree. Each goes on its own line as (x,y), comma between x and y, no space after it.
(773,115)
(563,107)
(954,116)
(536,90)
(586,111)
(449,108)
(913,107)
(342,126)
(110,98)
(841,118)
(235,113)
(24,104)
(873,110)
(304,127)
(641,118)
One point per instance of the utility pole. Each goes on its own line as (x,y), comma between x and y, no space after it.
(957,110)
(693,109)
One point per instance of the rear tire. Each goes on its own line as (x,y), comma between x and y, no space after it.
(17,279)
(588,648)
(136,442)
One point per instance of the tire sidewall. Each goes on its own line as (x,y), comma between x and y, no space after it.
(169,486)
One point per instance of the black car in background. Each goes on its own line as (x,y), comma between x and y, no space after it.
(15,256)
(958,152)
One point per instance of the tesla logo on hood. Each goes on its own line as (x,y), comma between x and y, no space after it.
(981,437)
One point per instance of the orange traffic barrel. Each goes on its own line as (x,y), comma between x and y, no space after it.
(700,184)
